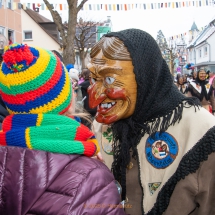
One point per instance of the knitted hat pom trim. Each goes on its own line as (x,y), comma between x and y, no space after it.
(16,61)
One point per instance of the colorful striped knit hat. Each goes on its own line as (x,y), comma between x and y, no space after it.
(34,80)
(48,132)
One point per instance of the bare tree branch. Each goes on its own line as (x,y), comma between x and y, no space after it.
(58,21)
(81,5)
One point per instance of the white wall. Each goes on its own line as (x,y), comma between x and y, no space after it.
(40,37)
(191,55)
(211,41)
(204,48)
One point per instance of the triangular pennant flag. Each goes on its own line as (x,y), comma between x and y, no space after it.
(114,7)
(19,5)
(14,5)
(42,6)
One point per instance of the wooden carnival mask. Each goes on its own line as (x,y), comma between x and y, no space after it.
(113,88)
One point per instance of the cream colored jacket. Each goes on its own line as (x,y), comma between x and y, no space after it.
(157,165)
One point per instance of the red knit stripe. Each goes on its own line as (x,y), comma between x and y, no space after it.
(32,95)
(7,123)
(3,139)
(66,109)
(89,148)
(83,133)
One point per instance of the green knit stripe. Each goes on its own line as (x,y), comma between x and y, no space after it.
(55,139)
(54,119)
(53,132)
(59,146)
(35,83)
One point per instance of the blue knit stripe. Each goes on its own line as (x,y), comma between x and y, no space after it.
(16,137)
(24,120)
(42,100)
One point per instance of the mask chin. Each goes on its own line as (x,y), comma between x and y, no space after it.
(106,119)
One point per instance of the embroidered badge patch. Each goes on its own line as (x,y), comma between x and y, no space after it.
(161,150)
(107,137)
(153,187)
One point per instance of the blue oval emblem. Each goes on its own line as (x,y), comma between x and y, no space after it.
(161,150)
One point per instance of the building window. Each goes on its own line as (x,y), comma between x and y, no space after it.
(9,4)
(2,30)
(28,35)
(206,51)
(10,37)
(200,53)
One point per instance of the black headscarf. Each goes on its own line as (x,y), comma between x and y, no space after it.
(202,84)
(158,99)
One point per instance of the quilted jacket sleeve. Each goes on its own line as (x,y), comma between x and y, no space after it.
(85,187)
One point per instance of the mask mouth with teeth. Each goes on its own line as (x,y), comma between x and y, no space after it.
(110,90)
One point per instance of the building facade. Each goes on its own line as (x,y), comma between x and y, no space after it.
(10,21)
(202,48)
(39,31)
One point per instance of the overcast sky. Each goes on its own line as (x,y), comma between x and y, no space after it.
(170,21)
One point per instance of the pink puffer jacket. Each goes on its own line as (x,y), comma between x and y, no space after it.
(40,183)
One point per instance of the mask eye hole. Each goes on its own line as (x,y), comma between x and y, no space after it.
(92,80)
(109,80)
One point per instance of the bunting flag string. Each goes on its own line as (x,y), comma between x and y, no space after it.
(120,7)
(182,35)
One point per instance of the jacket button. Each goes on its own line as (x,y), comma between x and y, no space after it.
(130,165)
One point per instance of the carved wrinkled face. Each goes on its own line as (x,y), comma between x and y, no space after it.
(113,88)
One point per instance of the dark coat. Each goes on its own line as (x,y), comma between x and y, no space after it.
(38,182)
(3,112)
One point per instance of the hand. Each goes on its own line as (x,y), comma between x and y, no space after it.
(99,157)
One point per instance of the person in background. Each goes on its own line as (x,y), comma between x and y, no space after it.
(74,77)
(181,85)
(58,54)
(194,75)
(84,86)
(185,78)
(69,66)
(3,112)
(81,78)
(201,89)
(211,76)
(45,155)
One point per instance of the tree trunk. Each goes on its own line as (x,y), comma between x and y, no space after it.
(82,58)
(171,62)
(69,49)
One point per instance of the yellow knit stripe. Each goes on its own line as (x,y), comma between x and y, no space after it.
(97,145)
(27,138)
(29,74)
(39,119)
(54,103)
